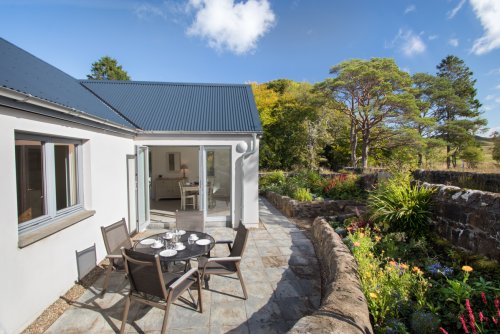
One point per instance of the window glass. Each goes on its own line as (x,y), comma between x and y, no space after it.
(65,175)
(30,180)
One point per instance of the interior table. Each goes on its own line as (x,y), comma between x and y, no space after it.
(192,250)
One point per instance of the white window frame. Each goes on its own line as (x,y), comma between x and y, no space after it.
(49,196)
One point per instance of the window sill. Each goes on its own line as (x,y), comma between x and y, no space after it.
(31,237)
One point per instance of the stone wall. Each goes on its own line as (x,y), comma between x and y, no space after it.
(296,209)
(468,218)
(480,181)
(343,305)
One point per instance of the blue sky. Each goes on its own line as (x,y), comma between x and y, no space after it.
(228,41)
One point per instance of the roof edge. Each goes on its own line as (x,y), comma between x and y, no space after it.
(36,101)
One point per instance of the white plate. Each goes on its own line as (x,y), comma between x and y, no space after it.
(147,241)
(203,242)
(180,247)
(156,246)
(193,238)
(181,232)
(168,252)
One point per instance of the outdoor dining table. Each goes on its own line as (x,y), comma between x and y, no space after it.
(192,250)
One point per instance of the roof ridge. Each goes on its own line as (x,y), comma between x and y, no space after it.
(139,82)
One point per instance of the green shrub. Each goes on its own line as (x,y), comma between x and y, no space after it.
(399,206)
(272,181)
(343,186)
(392,289)
(302,194)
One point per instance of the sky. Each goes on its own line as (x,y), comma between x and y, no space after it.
(231,41)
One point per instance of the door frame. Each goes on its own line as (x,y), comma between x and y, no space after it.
(143,187)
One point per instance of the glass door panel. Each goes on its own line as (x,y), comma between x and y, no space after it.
(218,183)
(142,170)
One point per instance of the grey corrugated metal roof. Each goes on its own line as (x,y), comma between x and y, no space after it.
(25,73)
(163,106)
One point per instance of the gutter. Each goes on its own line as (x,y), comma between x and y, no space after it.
(243,157)
(30,99)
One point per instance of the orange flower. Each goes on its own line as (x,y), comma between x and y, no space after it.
(373,295)
(467,269)
(356,244)
(417,270)
(377,238)
(404,266)
(393,263)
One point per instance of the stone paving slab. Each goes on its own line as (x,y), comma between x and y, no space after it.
(281,275)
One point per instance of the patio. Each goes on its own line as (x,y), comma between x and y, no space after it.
(280,270)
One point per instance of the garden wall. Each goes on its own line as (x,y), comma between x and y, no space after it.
(485,182)
(343,306)
(296,209)
(468,218)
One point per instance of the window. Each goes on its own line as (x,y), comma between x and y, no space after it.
(48,179)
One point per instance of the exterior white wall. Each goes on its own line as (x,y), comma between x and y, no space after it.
(33,277)
(249,188)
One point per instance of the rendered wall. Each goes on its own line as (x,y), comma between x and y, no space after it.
(33,277)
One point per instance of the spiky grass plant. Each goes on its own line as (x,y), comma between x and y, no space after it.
(400,206)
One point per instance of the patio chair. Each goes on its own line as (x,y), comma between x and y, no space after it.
(186,196)
(190,220)
(150,286)
(227,265)
(115,237)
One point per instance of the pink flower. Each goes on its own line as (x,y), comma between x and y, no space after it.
(443,330)
(495,321)
(481,317)
(472,322)
(483,297)
(464,325)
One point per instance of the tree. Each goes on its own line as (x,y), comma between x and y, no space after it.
(376,96)
(296,120)
(457,111)
(107,68)
(472,155)
(496,147)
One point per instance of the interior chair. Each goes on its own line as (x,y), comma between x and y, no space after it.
(186,198)
(115,237)
(226,265)
(150,286)
(189,221)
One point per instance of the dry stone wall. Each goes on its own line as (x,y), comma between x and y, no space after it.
(343,307)
(480,181)
(296,209)
(468,218)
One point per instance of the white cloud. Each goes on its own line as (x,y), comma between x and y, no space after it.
(410,8)
(408,43)
(494,71)
(230,25)
(432,37)
(451,14)
(488,12)
(453,42)
(487,108)
(489,97)
(147,11)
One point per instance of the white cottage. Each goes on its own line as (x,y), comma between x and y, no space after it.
(78,155)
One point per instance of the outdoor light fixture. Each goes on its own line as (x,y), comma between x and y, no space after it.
(183,168)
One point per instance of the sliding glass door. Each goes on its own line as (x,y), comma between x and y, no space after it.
(216,178)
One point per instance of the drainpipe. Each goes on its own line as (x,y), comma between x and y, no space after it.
(243,157)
